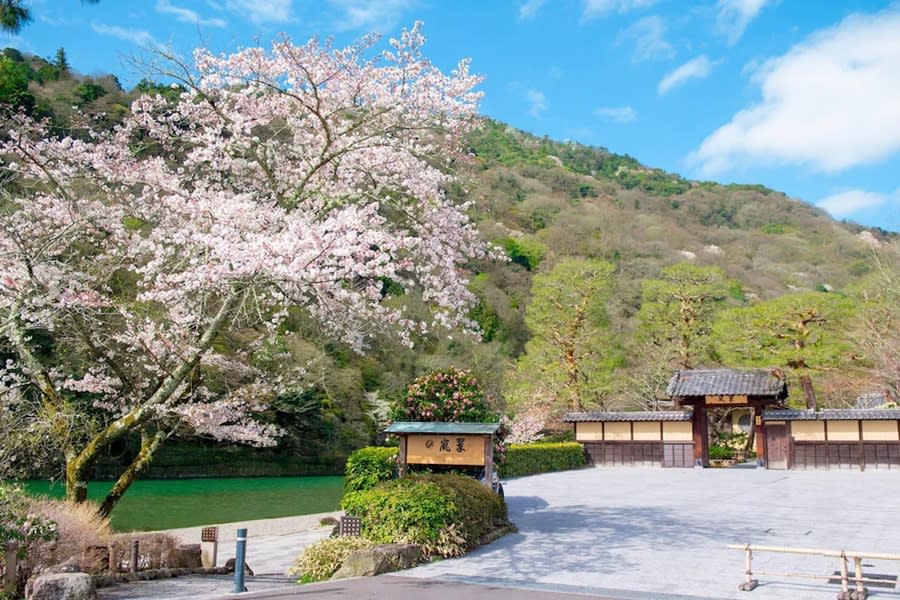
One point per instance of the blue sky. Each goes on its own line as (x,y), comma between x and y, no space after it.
(800,95)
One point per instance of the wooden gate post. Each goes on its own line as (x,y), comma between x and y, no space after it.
(700,426)
(489,461)
(760,433)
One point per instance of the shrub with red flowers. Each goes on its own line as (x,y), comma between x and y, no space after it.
(450,395)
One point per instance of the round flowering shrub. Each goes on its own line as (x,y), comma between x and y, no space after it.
(31,531)
(450,395)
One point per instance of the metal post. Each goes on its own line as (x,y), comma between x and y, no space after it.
(240,554)
(861,592)
(749,583)
(135,555)
(12,565)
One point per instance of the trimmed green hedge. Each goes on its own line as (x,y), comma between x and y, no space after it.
(444,514)
(530,459)
(369,466)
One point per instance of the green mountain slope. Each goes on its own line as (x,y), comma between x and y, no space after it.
(541,201)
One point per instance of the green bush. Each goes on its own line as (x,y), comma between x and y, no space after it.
(444,514)
(717,452)
(19,523)
(524,251)
(369,466)
(530,459)
(321,559)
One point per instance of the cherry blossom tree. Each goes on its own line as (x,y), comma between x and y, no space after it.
(300,176)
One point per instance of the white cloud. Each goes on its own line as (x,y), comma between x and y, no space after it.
(847,203)
(537,103)
(136,36)
(832,102)
(530,9)
(733,17)
(260,12)
(186,15)
(696,68)
(600,8)
(649,41)
(617,114)
(369,15)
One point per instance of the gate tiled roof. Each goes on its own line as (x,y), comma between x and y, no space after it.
(727,382)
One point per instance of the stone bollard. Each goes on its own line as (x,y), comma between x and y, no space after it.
(209,546)
(11,557)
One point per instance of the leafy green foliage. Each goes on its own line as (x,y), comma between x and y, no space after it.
(14,77)
(368,467)
(13,16)
(719,452)
(530,459)
(677,312)
(18,523)
(448,395)
(524,251)
(444,514)
(88,91)
(801,333)
(774,229)
(569,360)
(320,560)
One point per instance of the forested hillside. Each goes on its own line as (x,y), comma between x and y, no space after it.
(617,273)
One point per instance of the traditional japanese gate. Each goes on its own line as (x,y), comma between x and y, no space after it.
(679,438)
(703,389)
(459,444)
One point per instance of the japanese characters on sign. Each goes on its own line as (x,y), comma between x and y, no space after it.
(445,449)
(734,399)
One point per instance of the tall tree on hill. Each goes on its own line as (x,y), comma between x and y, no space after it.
(569,361)
(677,311)
(61,62)
(801,333)
(305,176)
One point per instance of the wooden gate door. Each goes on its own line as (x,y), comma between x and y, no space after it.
(777,446)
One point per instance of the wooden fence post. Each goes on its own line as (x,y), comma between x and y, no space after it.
(749,583)
(861,592)
(135,555)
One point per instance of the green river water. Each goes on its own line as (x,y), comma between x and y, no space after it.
(170,503)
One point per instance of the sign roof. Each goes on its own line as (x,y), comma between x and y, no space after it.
(448,428)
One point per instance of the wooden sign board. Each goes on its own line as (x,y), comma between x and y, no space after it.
(720,400)
(445,449)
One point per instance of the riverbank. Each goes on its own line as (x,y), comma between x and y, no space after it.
(256,528)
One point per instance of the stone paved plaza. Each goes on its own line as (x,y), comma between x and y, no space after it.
(645,533)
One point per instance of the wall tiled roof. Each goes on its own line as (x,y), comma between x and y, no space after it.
(661,415)
(833,414)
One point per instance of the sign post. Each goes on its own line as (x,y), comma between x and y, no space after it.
(455,444)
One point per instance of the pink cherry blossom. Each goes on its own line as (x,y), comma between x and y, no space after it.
(299,176)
